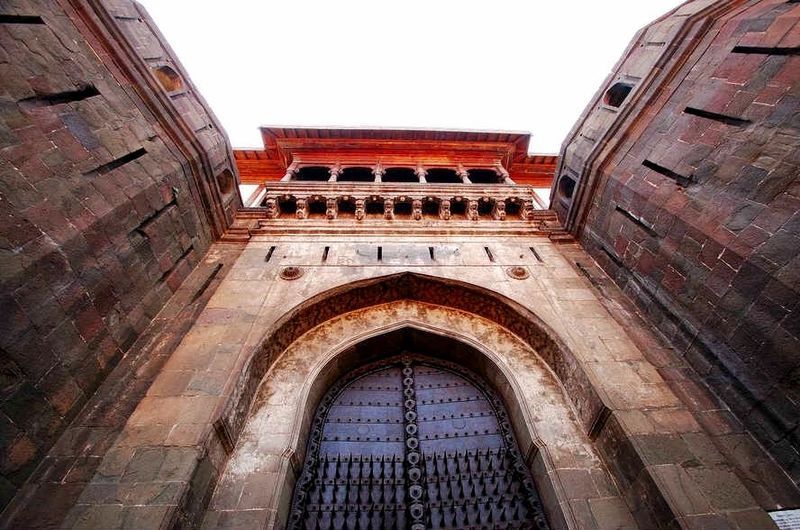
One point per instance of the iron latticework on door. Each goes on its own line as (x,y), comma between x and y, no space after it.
(414,444)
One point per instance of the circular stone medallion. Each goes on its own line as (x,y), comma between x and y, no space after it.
(291,273)
(518,273)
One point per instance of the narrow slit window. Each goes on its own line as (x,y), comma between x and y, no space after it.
(722,118)
(612,256)
(380,253)
(67,96)
(638,221)
(432,254)
(21,19)
(677,177)
(764,50)
(117,163)
(325,254)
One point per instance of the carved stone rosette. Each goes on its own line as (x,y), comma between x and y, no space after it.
(290,273)
(518,273)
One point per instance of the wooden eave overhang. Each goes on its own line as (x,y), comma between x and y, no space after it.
(393,148)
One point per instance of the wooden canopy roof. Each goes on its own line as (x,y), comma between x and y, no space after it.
(393,148)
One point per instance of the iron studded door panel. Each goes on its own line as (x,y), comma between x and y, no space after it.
(413,443)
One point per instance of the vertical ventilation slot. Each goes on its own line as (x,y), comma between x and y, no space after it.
(536,255)
(325,254)
(680,179)
(69,96)
(722,118)
(763,50)
(114,164)
(269,254)
(20,19)
(489,254)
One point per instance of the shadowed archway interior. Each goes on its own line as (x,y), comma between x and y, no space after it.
(412,442)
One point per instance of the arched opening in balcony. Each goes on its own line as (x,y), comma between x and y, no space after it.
(439,175)
(484,176)
(400,174)
(356,174)
(313,174)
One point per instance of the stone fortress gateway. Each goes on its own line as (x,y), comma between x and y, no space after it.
(394,330)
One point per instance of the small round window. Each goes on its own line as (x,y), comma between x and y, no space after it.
(225,182)
(566,186)
(168,78)
(616,95)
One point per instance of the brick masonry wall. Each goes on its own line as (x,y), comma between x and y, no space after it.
(114,180)
(688,195)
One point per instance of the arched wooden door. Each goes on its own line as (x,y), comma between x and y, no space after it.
(413,443)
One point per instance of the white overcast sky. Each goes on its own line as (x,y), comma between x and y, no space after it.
(452,64)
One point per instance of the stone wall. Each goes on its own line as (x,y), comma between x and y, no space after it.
(631,402)
(681,180)
(115,178)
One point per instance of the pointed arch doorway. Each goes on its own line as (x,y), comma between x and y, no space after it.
(415,443)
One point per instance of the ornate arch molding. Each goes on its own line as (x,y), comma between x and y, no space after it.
(296,384)
(463,296)
(414,335)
